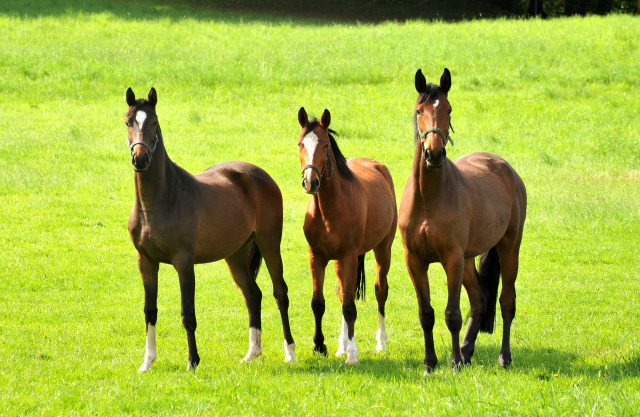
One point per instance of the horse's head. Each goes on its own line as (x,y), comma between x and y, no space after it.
(144,131)
(433,118)
(315,147)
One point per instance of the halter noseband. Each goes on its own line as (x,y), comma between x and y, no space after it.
(146,145)
(423,134)
(315,168)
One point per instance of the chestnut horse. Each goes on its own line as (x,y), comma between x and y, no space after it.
(231,211)
(452,212)
(352,211)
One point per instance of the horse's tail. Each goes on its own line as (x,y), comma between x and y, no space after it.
(255,260)
(360,282)
(489,278)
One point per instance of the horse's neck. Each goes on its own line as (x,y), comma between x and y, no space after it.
(433,185)
(329,200)
(154,184)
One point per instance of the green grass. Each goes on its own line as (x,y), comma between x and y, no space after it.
(559,99)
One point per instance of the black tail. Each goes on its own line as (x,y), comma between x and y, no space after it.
(489,278)
(360,282)
(255,260)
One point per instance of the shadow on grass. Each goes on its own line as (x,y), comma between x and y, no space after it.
(273,11)
(545,364)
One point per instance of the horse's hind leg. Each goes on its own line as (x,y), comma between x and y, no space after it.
(509,271)
(477,301)
(187,277)
(270,248)
(240,271)
(383,261)
(149,273)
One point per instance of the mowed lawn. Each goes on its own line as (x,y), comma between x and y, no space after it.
(559,99)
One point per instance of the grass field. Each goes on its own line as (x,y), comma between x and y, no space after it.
(559,99)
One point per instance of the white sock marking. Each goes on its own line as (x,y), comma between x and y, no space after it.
(289,356)
(381,334)
(352,351)
(255,344)
(342,340)
(150,353)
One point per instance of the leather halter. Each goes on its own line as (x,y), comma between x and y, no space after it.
(146,145)
(315,168)
(423,134)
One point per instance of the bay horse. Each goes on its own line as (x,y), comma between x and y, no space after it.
(231,211)
(452,212)
(352,210)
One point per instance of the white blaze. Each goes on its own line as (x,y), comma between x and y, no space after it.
(141,116)
(310,142)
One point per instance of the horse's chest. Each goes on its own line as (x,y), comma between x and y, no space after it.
(153,239)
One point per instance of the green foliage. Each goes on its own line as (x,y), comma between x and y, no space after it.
(556,98)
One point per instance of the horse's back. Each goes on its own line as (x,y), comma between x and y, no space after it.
(378,189)
(497,190)
(486,168)
(238,198)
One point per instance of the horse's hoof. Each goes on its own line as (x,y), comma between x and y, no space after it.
(428,370)
(381,346)
(322,349)
(289,349)
(340,352)
(146,365)
(504,359)
(351,360)
(251,355)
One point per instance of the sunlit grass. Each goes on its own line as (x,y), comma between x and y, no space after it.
(556,98)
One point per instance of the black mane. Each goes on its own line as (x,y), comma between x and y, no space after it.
(341,161)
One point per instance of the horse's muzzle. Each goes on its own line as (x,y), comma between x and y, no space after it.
(141,162)
(434,159)
(311,186)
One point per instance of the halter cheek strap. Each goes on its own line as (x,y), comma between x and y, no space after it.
(146,145)
(315,168)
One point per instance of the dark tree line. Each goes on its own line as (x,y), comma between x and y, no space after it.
(546,8)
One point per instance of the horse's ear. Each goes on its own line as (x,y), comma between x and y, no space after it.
(325,120)
(153,97)
(421,82)
(131,98)
(303,119)
(445,81)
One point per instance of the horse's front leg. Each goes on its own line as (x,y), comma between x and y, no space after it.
(187,295)
(149,273)
(418,272)
(454,267)
(346,270)
(318,265)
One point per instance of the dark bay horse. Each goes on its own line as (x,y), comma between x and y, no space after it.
(352,211)
(231,211)
(452,212)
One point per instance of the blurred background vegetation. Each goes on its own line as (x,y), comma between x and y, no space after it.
(449,10)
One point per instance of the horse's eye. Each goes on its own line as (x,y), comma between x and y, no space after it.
(300,145)
(127,124)
(418,111)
